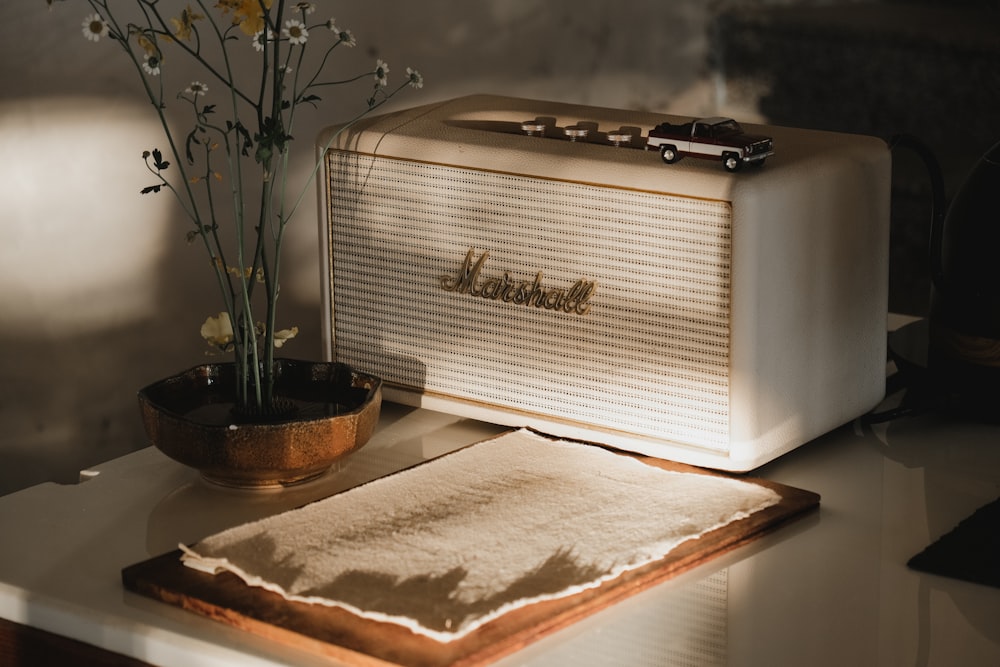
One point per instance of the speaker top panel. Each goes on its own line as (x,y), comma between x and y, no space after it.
(580,143)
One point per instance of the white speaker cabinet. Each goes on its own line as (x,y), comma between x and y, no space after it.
(487,263)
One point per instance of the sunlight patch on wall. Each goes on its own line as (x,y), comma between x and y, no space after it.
(80,248)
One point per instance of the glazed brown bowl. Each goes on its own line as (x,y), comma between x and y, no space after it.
(331,411)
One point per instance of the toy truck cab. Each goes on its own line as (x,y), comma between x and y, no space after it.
(712,138)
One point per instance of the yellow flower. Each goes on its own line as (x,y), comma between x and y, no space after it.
(184,25)
(248,14)
(218,331)
(284,335)
(147,45)
(248,271)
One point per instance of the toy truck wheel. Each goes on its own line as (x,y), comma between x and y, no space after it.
(669,153)
(731,161)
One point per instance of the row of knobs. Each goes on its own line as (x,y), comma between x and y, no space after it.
(533,128)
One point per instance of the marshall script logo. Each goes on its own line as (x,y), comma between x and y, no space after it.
(576,299)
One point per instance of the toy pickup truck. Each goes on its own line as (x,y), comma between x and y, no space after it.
(713,138)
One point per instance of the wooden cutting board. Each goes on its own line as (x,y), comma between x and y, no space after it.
(345,637)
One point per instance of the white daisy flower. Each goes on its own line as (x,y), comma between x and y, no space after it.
(259,40)
(306,7)
(95,27)
(415,78)
(295,31)
(381,73)
(345,36)
(196,88)
(151,63)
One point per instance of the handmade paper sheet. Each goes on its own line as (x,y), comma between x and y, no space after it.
(449,545)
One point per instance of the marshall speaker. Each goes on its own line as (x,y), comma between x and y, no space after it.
(530,264)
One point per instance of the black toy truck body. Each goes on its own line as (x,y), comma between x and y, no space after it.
(713,138)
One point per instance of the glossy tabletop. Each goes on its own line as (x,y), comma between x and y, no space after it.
(830,589)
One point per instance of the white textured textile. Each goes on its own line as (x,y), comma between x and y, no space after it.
(449,545)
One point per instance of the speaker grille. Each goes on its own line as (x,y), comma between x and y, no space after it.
(650,357)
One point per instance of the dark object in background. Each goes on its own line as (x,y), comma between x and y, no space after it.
(951,360)
(964,333)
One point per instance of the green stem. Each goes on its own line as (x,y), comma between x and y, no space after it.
(189,202)
(343,128)
(275,111)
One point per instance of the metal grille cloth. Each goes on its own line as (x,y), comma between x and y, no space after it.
(650,357)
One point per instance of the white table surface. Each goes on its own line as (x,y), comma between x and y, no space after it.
(831,589)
